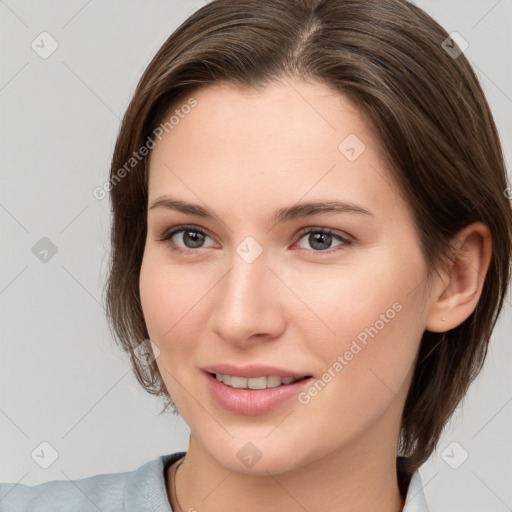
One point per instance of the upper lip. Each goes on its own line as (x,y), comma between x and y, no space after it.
(252,370)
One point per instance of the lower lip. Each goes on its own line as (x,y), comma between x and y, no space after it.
(253,402)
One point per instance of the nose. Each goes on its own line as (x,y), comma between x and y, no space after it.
(248,303)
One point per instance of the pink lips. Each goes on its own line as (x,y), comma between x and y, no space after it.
(252,402)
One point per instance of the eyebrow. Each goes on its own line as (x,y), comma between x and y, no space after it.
(289,213)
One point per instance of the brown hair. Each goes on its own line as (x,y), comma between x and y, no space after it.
(429,112)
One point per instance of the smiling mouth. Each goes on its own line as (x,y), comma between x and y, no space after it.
(255,383)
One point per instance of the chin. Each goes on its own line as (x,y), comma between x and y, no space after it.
(258,457)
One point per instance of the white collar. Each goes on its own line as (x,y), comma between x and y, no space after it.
(415,500)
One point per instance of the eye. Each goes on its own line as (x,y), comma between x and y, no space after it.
(185,239)
(322,238)
(191,237)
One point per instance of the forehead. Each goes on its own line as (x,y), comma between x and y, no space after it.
(290,139)
(294,112)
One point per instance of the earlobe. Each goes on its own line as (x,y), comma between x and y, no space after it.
(456,296)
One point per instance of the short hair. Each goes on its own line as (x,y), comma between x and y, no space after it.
(427,108)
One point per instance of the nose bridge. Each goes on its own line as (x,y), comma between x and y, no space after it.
(246,301)
(245,286)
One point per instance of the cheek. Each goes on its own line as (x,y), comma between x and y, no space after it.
(167,295)
(356,299)
(366,375)
(376,318)
(167,299)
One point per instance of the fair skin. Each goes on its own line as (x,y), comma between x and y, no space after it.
(243,156)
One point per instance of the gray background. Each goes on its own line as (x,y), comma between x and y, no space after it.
(62,379)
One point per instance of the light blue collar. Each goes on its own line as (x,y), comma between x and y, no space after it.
(145,489)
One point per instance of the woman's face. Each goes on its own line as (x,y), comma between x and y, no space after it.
(345,307)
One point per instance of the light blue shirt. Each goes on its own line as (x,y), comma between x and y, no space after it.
(140,490)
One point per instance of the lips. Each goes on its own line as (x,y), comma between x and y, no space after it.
(252,402)
(253,371)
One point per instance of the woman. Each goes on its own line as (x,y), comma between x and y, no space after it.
(311,244)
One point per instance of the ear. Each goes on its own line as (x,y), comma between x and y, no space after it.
(457,294)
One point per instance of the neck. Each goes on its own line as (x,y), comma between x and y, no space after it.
(354,479)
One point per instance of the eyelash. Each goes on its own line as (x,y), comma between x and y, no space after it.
(172,231)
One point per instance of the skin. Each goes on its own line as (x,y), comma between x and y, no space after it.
(243,155)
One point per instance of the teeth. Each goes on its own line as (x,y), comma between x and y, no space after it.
(254,382)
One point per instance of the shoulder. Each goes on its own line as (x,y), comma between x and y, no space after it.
(138,490)
(104,491)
